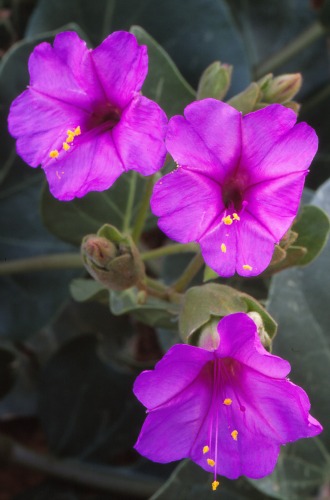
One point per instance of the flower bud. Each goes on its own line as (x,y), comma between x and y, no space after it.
(112,259)
(208,335)
(246,101)
(215,81)
(280,89)
(263,335)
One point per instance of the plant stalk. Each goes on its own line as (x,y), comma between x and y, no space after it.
(169,250)
(143,209)
(104,478)
(41,263)
(301,42)
(130,202)
(189,273)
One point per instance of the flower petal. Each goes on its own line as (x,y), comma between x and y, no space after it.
(92,164)
(219,247)
(219,126)
(189,150)
(276,408)
(292,153)
(41,125)
(187,203)
(239,340)
(139,136)
(179,367)
(65,72)
(261,130)
(251,455)
(255,246)
(265,203)
(122,67)
(170,432)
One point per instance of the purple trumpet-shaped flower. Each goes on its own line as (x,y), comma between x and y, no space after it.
(239,184)
(229,409)
(83,117)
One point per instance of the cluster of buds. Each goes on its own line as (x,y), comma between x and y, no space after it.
(215,82)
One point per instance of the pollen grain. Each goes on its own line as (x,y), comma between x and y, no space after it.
(247,267)
(234,435)
(54,153)
(215,484)
(227,220)
(227,402)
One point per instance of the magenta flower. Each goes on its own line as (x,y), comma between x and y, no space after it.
(239,184)
(83,117)
(229,410)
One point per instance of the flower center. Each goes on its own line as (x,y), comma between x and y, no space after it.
(105,114)
(232,195)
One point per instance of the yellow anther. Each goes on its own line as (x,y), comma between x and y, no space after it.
(227,402)
(70,136)
(247,267)
(66,146)
(215,484)
(236,217)
(206,449)
(211,462)
(77,130)
(223,248)
(234,435)
(54,153)
(227,220)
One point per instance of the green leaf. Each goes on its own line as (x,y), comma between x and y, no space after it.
(189,481)
(71,221)
(88,289)
(209,274)
(153,312)
(164,83)
(86,407)
(266,29)
(299,300)
(313,228)
(95,18)
(300,470)
(27,302)
(200,303)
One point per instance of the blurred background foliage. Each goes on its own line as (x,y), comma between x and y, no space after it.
(67,367)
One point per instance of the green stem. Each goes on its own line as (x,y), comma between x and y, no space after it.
(130,202)
(189,273)
(112,479)
(143,209)
(169,250)
(42,263)
(301,42)
(161,291)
